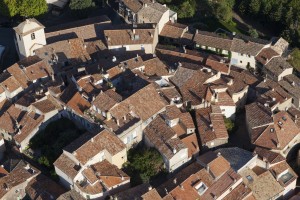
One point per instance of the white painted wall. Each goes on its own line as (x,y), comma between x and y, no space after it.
(26,45)
(241,60)
(228,111)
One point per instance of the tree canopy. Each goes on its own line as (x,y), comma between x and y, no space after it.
(81,8)
(143,164)
(24,8)
(283,14)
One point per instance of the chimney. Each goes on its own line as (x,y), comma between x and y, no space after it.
(175,181)
(197,31)
(149,188)
(179,64)
(219,154)
(233,33)
(166,191)
(174,151)
(184,49)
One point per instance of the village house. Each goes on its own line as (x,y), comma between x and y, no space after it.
(20,126)
(266,173)
(173,33)
(279,168)
(14,182)
(244,49)
(211,127)
(146,11)
(290,84)
(101,179)
(132,39)
(276,132)
(172,133)
(65,56)
(210,177)
(276,98)
(42,187)
(24,75)
(213,42)
(277,68)
(9,87)
(80,161)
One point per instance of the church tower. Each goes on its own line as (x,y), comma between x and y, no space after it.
(30,36)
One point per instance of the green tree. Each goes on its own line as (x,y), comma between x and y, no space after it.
(143,164)
(229,124)
(276,13)
(32,8)
(254,6)
(9,8)
(295,59)
(187,9)
(81,8)
(253,33)
(43,160)
(222,11)
(242,8)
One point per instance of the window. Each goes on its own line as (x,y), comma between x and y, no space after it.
(201,188)
(33,36)
(134,135)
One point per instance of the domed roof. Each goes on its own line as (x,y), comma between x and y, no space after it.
(28,26)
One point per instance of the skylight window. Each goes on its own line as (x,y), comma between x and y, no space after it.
(201,188)
(272,130)
(250,179)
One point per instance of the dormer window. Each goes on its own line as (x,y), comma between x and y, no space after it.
(32,36)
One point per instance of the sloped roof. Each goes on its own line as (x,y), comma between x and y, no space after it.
(144,103)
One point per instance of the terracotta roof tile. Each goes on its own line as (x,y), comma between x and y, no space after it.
(210,124)
(277,66)
(16,177)
(217,64)
(144,103)
(9,83)
(78,104)
(270,156)
(212,40)
(155,67)
(191,142)
(173,30)
(29,122)
(162,137)
(86,29)
(66,165)
(128,37)
(87,146)
(266,55)
(42,187)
